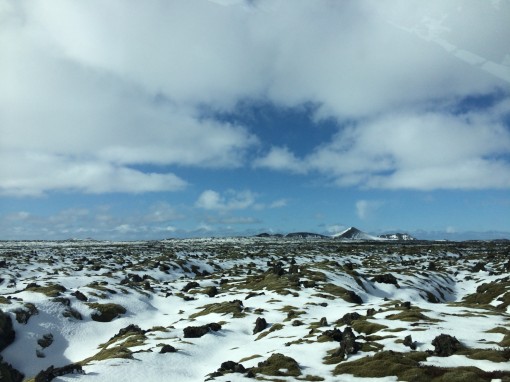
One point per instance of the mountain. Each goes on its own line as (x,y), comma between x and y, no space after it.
(305,235)
(397,236)
(355,234)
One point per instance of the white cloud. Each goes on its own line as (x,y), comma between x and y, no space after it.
(365,209)
(95,87)
(415,150)
(232,200)
(35,173)
(280,158)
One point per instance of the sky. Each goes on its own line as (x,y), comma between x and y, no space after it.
(127,120)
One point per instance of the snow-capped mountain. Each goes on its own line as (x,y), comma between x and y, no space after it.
(355,234)
(397,236)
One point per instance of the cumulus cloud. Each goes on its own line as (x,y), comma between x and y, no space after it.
(32,174)
(232,200)
(421,150)
(280,158)
(97,88)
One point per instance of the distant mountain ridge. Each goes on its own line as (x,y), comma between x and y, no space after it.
(398,236)
(350,234)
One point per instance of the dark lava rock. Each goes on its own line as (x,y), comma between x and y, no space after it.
(406,304)
(348,344)
(190,285)
(323,321)
(53,372)
(387,278)
(167,349)
(24,314)
(478,267)
(8,373)
(7,333)
(335,334)
(132,328)
(214,326)
(254,294)
(353,297)
(45,341)
(445,345)
(211,291)
(278,269)
(294,269)
(408,341)
(80,296)
(260,325)
(199,331)
(348,318)
(371,312)
(195,331)
(231,366)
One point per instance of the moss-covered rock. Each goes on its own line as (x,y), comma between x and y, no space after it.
(234,307)
(278,365)
(106,312)
(50,290)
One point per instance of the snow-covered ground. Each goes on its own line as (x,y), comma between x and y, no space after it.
(301,288)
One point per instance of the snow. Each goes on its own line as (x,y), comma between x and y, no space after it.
(162,306)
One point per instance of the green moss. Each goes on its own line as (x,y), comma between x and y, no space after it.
(370,346)
(367,327)
(271,281)
(505,342)
(272,329)
(250,358)
(50,290)
(487,354)
(488,292)
(228,307)
(344,294)
(104,354)
(412,315)
(106,312)
(4,300)
(406,367)
(278,365)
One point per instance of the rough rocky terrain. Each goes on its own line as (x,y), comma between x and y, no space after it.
(254,308)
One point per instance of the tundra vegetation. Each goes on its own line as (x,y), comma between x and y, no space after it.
(264,308)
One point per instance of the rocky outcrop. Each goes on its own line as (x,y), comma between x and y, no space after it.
(445,345)
(199,331)
(7,333)
(260,325)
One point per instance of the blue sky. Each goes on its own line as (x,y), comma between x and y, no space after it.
(129,120)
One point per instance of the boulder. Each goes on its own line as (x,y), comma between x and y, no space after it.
(7,333)
(167,349)
(445,345)
(260,325)
(199,331)
(8,373)
(348,318)
(386,278)
(53,372)
(408,341)
(190,285)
